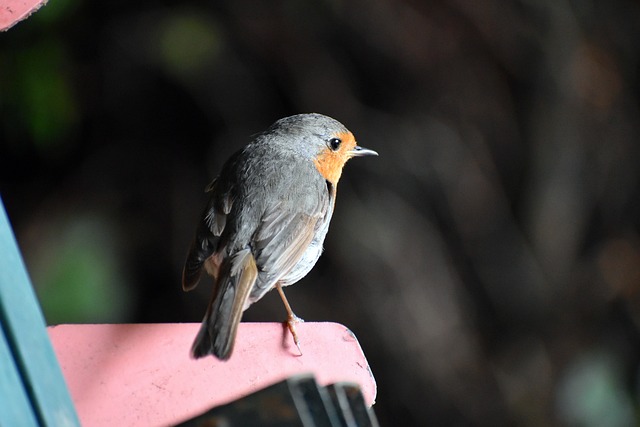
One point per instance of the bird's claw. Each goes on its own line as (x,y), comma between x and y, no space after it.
(291,324)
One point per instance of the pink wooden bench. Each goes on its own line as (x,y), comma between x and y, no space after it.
(142,374)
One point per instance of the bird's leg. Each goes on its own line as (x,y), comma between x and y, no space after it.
(292,319)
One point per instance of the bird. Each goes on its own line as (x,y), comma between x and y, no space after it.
(265,222)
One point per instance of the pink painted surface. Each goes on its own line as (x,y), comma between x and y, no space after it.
(14,11)
(142,374)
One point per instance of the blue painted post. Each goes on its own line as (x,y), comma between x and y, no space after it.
(15,407)
(25,341)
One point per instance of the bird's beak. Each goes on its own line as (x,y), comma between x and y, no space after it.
(361,151)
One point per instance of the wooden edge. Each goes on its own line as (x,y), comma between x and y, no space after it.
(14,11)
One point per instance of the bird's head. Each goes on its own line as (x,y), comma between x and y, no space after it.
(325,141)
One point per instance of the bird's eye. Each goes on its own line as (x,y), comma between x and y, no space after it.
(334,143)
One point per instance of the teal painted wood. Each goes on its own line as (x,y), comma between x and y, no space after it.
(25,333)
(15,407)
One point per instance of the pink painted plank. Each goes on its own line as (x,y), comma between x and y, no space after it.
(14,11)
(142,374)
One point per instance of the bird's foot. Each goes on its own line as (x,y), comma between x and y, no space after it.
(292,320)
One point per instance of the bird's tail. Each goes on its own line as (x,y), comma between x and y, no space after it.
(218,330)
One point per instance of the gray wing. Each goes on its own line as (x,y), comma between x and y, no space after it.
(285,233)
(207,238)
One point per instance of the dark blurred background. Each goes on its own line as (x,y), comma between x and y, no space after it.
(488,260)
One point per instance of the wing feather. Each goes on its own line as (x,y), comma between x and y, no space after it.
(282,239)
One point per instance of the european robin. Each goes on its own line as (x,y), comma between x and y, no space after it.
(266,220)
